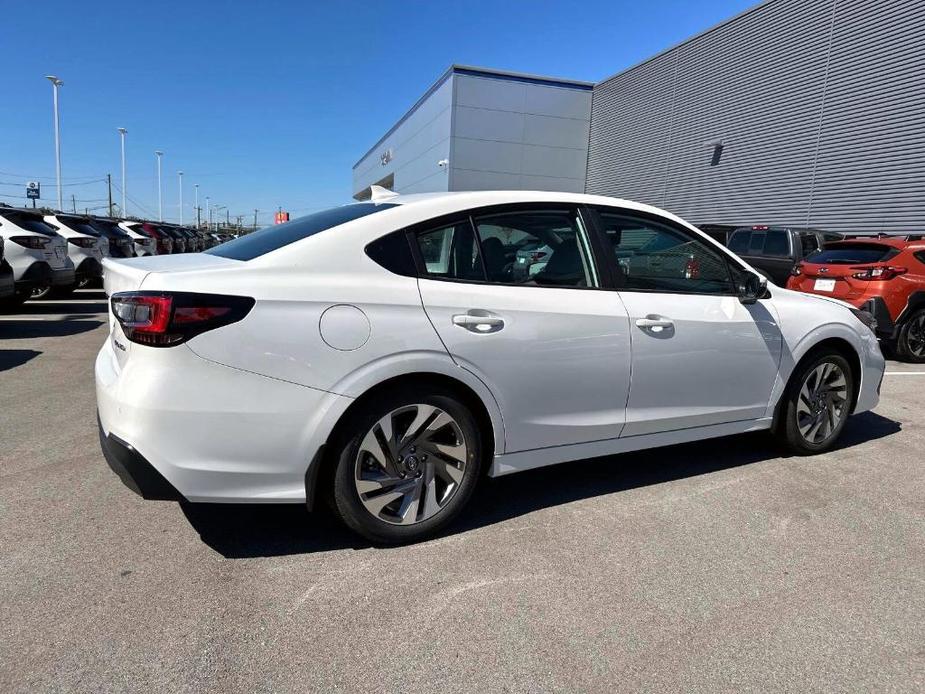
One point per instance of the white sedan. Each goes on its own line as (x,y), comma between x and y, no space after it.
(386,354)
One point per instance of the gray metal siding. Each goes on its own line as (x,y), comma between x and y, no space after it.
(819,104)
(518,135)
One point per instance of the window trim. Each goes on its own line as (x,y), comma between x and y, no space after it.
(733,266)
(579,210)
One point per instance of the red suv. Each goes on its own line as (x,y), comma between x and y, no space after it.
(885,276)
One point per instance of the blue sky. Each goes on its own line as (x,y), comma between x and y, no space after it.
(270,103)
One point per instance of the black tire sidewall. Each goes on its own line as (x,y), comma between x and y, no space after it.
(902,347)
(791,431)
(344,497)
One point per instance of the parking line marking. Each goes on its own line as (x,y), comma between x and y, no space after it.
(904,373)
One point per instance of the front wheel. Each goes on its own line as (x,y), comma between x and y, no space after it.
(817,404)
(910,346)
(408,466)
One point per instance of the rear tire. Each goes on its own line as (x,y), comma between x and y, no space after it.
(816,404)
(406,484)
(910,345)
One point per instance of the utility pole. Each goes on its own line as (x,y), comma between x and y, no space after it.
(198,211)
(109,186)
(160,208)
(180,176)
(255,219)
(122,132)
(227,217)
(74,203)
(55,82)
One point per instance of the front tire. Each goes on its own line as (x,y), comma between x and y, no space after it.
(910,345)
(817,404)
(407,465)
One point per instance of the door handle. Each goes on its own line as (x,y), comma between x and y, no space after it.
(656,324)
(476,323)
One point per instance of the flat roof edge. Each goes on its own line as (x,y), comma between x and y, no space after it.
(475,71)
(689,39)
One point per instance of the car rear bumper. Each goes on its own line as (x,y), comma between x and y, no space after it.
(877,307)
(63,277)
(211,432)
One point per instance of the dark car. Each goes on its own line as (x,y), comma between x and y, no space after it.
(121,245)
(718,232)
(775,250)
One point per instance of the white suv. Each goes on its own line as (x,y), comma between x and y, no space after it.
(86,248)
(36,252)
(144,244)
(7,286)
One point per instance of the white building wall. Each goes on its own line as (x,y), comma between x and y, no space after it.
(415,144)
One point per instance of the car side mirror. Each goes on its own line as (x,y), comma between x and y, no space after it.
(752,287)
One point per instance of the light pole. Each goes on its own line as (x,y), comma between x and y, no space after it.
(180,176)
(160,208)
(122,132)
(209,210)
(55,83)
(196,191)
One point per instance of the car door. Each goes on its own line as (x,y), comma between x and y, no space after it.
(549,342)
(700,357)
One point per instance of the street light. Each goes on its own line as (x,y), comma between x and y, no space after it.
(55,82)
(160,209)
(180,176)
(122,132)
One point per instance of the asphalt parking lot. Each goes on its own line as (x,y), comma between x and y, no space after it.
(702,567)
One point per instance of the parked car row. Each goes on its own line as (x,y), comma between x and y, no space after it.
(882,274)
(45,254)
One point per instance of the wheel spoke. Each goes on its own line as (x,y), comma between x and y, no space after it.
(411,504)
(375,504)
(423,416)
(449,472)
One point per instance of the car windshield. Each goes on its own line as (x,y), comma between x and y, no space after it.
(852,254)
(29,222)
(272,238)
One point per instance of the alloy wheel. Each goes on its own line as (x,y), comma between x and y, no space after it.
(822,403)
(410,464)
(915,336)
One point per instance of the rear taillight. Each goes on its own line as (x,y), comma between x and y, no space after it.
(165,319)
(33,242)
(796,270)
(873,274)
(83,242)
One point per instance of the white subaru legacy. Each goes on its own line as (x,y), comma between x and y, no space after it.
(386,354)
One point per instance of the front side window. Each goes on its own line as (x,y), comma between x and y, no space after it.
(539,248)
(656,257)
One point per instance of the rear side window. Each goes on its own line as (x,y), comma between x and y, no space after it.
(393,253)
(275,237)
(81,226)
(920,256)
(853,254)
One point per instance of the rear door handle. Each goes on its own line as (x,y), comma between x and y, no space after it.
(479,322)
(656,324)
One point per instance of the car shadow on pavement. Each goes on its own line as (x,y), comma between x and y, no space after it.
(11,358)
(243,531)
(63,327)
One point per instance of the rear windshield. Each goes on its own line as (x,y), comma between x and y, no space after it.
(30,222)
(271,238)
(852,254)
(761,242)
(109,228)
(81,226)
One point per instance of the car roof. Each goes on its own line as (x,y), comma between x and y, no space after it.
(879,241)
